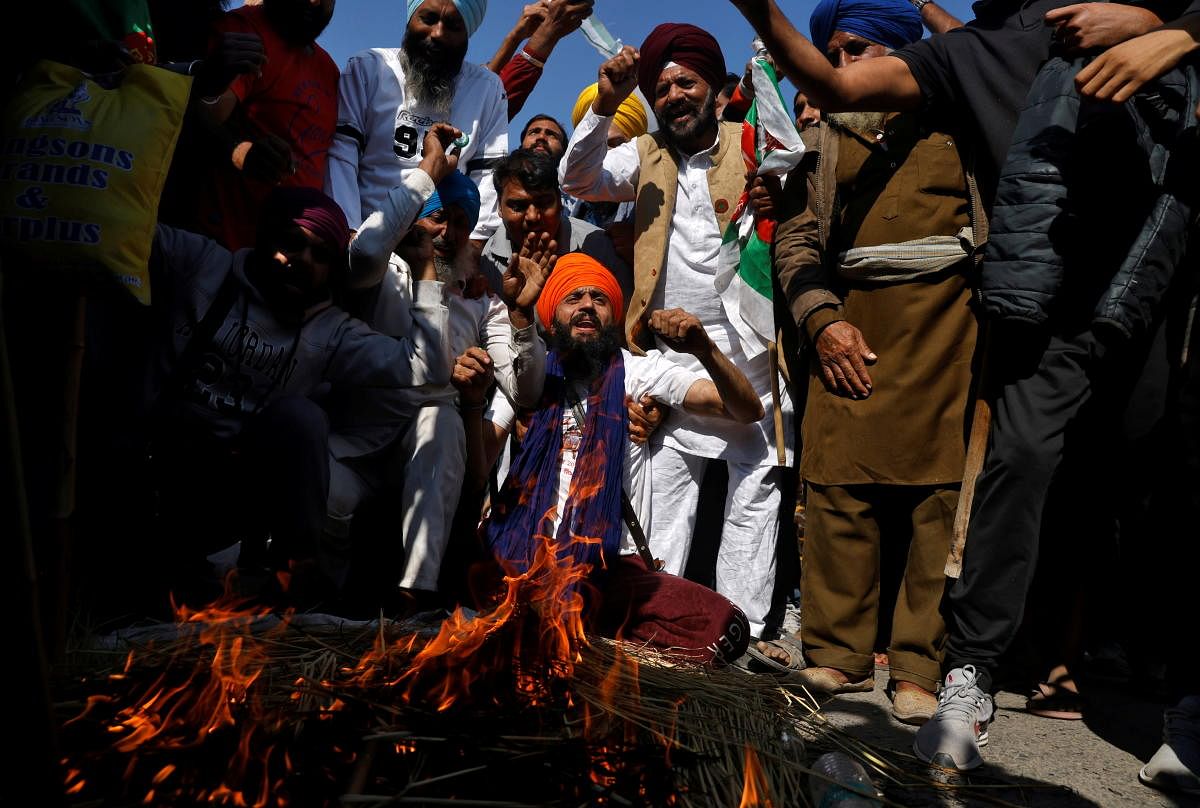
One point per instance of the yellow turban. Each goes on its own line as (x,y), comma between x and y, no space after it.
(630,117)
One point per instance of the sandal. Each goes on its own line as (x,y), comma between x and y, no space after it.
(1053,700)
(761,662)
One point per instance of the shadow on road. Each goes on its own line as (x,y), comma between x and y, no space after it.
(921,785)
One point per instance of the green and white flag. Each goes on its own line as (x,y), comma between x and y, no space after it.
(771,146)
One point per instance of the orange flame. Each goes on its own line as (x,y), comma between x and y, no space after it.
(530,638)
(755,791)
(534,629)
(176,715)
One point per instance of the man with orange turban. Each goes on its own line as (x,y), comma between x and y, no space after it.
(684,181)
(576,465)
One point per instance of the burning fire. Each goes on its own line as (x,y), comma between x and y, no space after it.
(534,631)
(755,791)
(525,646)
(181,710)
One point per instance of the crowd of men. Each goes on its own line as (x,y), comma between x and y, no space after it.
(391,357)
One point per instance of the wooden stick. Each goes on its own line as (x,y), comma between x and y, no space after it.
(58,565)
(981,426)
(776,409)
(64,502)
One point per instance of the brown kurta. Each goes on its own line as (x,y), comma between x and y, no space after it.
(912,428)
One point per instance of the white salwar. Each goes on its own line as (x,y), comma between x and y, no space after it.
(412,439)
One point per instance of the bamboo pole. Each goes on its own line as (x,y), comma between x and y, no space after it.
(58,563)
(981,427)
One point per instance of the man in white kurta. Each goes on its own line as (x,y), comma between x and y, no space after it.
(708,177)
(388,99)
(413,439)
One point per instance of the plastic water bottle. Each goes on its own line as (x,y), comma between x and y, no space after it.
(845,784)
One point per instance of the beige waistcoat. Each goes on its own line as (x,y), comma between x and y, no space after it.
(658,178)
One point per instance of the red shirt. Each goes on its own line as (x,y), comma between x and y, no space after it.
(295,98)
(520,76)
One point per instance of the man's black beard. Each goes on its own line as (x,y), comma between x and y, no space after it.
(585,359)
(430,70)
(286,304)
(297,21)
(704,116)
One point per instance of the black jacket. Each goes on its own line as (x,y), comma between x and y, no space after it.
(1093,206)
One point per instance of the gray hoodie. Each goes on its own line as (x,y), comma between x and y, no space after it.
(256,357)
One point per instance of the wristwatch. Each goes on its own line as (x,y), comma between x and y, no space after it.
(918,4)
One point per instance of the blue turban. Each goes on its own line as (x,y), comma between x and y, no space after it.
(455,189)
(472,12)
(892,23)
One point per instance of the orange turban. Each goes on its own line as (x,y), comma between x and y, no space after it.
(574,271)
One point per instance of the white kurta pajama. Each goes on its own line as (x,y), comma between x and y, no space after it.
(413,438)
(746,561)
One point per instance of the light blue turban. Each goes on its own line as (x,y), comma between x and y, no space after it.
(892,23)
(472,12)
(455,189)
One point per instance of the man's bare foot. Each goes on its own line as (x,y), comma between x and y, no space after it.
(912,704)
(782,654)
(834,681)
(773,651)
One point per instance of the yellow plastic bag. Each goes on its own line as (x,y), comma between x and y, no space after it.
(82,167)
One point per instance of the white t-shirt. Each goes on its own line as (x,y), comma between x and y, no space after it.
(380,132)
(650,375)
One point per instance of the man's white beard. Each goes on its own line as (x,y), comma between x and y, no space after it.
(430,90)
(858,121)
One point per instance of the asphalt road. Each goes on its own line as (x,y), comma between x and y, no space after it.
(1033,761)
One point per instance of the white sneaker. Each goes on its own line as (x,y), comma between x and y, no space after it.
(952,738)
(1176,764)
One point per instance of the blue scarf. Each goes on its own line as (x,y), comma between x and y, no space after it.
(590,528)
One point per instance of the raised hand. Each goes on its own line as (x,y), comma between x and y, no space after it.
(843,355)
(527,272)
(681,331)
(753,10)
(232,55)
(565,16)
(531,17)
(618,78)
(472,376)
(437,159)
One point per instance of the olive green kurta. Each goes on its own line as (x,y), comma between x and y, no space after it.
(912,428)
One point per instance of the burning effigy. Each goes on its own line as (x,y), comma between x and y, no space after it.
(515,705)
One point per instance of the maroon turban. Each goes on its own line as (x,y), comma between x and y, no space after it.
(686,45)
(309,208)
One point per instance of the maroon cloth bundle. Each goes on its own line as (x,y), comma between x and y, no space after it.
(674,615)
